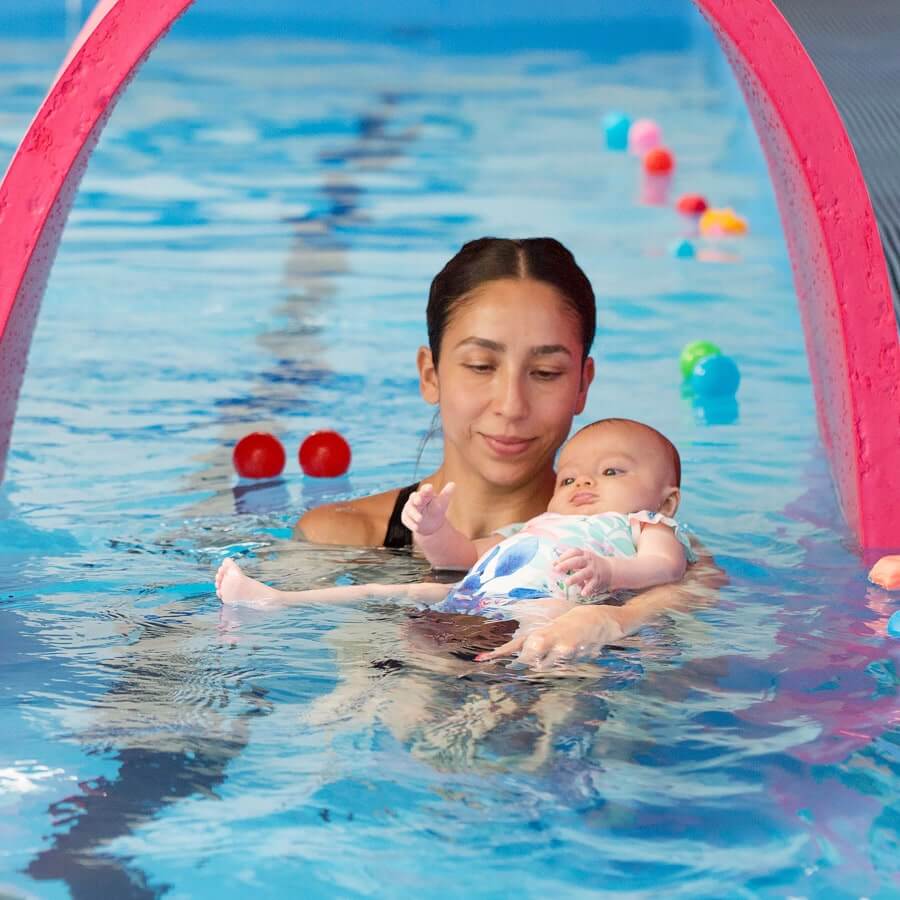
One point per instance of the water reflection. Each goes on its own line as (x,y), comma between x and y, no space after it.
(169,720)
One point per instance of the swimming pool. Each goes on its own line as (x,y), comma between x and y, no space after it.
(251,248)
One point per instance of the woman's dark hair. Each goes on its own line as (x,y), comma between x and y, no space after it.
(489,259)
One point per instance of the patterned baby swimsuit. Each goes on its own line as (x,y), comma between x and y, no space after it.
(520,567)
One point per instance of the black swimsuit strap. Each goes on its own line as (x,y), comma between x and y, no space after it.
(397,534)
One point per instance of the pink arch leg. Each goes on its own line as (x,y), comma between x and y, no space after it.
(839,268)
(40,184)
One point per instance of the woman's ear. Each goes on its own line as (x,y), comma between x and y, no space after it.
(428,380)
(587,376)
(671,501)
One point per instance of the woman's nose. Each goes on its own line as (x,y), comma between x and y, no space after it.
(511,399)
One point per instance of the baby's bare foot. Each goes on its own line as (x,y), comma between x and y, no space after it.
(233,586)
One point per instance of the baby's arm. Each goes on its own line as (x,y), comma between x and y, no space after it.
(445,547)
(234,587)
(659,559)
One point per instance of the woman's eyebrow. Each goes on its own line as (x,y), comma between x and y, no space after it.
(482,342)
(548,349)
(497,347)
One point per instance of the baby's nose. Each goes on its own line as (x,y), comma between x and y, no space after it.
(584,479)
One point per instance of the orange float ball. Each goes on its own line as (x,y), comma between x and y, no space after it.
(691,204)
(886,573)
(658,161)
(258,455)
(324,454)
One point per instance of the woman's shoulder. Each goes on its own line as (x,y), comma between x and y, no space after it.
(361,522)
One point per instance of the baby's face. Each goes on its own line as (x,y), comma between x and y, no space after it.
(615,467)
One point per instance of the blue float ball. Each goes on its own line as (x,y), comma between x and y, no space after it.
(715,376)
(616,125)
(683,250)
(893,625)
(716,410)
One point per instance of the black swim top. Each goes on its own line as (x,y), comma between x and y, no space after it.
(397,534)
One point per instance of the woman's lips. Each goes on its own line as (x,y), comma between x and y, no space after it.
(507,446)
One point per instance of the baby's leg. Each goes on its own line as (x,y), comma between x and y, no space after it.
(233,586)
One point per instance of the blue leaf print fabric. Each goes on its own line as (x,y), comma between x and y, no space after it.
(470,583)
(480,567)
(519,554)
(525,593)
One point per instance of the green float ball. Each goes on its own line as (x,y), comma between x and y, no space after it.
(693,353)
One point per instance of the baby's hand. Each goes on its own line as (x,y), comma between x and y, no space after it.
(425,512)
(585,569)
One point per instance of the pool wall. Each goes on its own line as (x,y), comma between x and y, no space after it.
(839,266)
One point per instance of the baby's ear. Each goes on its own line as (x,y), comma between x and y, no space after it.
(671,501)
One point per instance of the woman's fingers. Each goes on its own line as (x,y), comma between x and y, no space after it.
(557,654)
(510,648)
(581,631)
(544,648)
(536,649)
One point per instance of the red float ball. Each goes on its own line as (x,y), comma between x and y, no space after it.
(324,454)
(658,161)
(258,455)
(692,204)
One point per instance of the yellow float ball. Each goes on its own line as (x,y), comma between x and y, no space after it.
(722,221)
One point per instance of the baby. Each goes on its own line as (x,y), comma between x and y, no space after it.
(608,526)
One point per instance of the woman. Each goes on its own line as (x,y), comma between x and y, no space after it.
(510,328)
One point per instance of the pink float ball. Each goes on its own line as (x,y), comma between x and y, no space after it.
(643,136)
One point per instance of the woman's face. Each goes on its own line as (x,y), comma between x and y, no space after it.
(509,380)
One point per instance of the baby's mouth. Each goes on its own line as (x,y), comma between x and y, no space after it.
(582,498)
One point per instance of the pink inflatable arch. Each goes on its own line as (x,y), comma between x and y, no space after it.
(40,184)
(839,267)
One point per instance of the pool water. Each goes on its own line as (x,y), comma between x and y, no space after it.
(251,249)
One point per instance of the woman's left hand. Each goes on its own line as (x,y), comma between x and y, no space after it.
(582,631)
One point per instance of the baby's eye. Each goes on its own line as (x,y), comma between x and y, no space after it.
(611,471)
(565,482)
